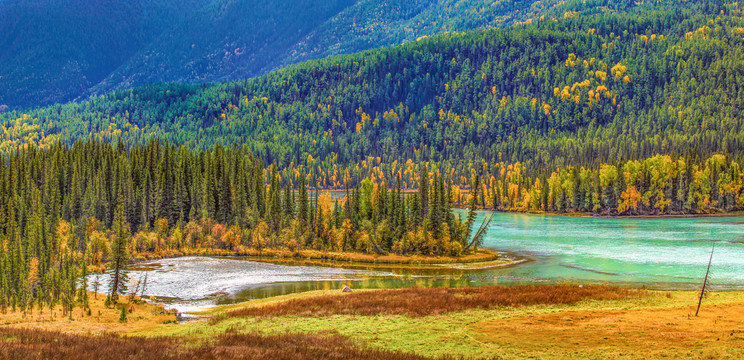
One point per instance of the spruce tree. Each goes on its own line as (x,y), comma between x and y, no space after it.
(302,204)
(119,248)
(423,194)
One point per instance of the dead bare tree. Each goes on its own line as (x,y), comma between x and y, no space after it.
(705,289)
(480,233)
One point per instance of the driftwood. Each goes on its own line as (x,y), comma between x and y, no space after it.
(481,231)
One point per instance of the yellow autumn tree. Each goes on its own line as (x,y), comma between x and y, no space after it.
(258,235)
(618,71)
(629,200)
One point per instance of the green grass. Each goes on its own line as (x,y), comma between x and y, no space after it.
(438,335)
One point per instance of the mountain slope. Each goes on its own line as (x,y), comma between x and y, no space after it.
(371,24)
(602,86)
(239,39)
(56,51)
(226,40)
(650,92)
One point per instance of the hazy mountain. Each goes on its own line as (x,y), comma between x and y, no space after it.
(56,51)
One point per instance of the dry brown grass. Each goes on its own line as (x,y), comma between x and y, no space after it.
(431,301)
(102,319)
(718,333)
(39,344)
(482,255)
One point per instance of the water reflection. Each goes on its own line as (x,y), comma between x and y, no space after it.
(197,282)
(194,283)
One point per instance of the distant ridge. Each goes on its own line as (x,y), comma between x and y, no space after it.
(60,50)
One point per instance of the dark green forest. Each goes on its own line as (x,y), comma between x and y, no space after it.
(594,87)
(66,210)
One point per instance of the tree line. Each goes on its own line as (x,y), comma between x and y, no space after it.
(66,211)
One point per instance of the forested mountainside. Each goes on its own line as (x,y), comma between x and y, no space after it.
(607,110)
(248,38)
(57,51)
(594,104)
(599,87)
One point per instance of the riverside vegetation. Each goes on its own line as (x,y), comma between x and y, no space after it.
(68,210)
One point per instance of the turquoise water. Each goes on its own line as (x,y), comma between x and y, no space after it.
(669,253)
(657,252)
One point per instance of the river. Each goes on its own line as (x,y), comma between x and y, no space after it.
(659,253)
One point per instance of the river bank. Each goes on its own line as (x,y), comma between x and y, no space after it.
(661,254)
(478,260)
(481,260)
(605,216)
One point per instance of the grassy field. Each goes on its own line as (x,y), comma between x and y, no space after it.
(552,322)
(42,344)
(141,316)
(647,325)
(416,302)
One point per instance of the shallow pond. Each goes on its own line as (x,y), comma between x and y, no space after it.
(669,253)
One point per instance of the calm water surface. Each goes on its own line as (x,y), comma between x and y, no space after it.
(669,253)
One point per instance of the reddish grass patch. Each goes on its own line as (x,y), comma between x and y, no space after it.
(296,346)
(432,301)
(40,344)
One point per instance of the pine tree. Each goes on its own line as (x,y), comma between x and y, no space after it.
(165,182)
(274,214)
(225,211)
(209,191)
(119,248)
(123,314)
(288,205)
(475,186)
(302,204)
(423,195)
(83,298)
